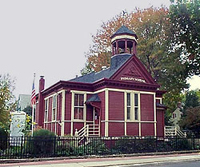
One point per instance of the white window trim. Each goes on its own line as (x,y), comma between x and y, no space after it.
(54,120)
(46,111)
(132,110)
(72,109)
(75,119)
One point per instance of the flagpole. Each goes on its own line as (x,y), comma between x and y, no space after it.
(32,119)
(33,106)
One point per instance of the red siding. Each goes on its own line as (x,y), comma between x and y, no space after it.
(50,110)
(160,123)
(53,127)
(78,126)
(147,107)
(102,113)
(48,126)
(68,98)
(147,129)
(116,129)
(89,113)
(59,106)
(102,128)
(116,105)
(67,129)
(58,129)
(132,129)
(102,98)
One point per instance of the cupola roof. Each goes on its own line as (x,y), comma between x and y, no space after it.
(124,30)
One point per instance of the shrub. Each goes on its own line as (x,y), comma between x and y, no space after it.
(127,145)
(93,147)
(133,145)
(43,133)
(42,143)
(65,147)
(180,144)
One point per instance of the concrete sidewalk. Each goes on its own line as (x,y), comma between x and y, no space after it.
(117,161)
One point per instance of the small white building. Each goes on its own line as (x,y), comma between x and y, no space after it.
(24,101)
(18,124)
(176,115)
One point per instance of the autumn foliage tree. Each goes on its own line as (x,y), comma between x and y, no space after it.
(154,49)
(150,25)
(7,102)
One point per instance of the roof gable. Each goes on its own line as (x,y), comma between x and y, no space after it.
(124,68)
(133,71)
(116,62)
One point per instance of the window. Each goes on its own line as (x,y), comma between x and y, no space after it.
(78,106)
(136,106)
(128,106)
(132,106)
(54,108)
(46,110)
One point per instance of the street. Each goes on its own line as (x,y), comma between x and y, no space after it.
(177,164)
(180,164)
(170,160)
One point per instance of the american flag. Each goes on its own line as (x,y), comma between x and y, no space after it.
(33,96)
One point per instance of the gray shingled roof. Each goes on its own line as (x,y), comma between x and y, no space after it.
(123,30)
(94,98)
(116,62)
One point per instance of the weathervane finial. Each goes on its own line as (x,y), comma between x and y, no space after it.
(124,13)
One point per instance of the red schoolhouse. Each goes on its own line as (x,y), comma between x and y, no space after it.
(122,100)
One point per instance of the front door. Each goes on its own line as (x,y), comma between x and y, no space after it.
(96,117)
(96,120)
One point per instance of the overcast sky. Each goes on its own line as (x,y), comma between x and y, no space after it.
(50,38)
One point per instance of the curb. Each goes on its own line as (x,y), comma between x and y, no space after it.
(3,161)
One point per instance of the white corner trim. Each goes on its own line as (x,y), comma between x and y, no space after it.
(63,114)
(139,115)
(84,109)
(155,131)
(72,113)
(106,112)
(125,114)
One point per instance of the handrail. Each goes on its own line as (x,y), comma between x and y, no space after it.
(87,131)
(171,131)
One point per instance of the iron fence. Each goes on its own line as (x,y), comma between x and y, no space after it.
(31,147)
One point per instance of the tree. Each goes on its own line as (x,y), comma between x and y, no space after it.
(151,26)
(28,110)
(163,62)
(7,99)
(185,18)
(191,112)
(192,120)
(192,100)
(198,94)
